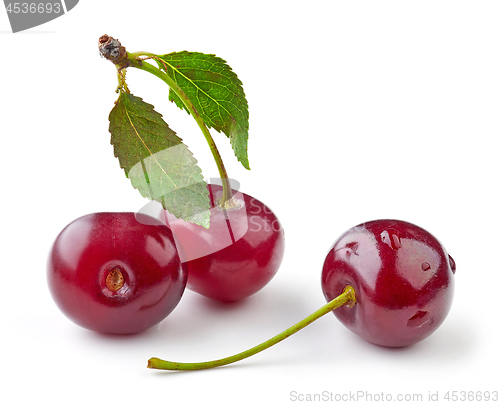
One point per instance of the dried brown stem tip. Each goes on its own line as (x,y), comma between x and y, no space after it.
(112,50)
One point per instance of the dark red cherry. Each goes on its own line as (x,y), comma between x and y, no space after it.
(238,255)
(115,272)
(402,277)
(388,281)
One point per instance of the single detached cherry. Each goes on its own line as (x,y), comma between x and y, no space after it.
(389,281)
(240,252)
(402,277)
(116,273)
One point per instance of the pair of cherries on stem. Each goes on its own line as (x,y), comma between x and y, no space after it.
(123,273)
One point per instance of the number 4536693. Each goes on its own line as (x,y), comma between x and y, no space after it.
(33,8)
(478,396)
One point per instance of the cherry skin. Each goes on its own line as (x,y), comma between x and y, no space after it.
(238,255)
(116,273)
(402,276)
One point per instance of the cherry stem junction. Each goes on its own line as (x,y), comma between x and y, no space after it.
(346,298)
(112,50)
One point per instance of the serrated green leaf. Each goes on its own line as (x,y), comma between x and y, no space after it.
(216,93)
(156,161)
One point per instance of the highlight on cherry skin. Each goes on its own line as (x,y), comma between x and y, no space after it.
(403,278)
(388,281)
(237,255)
(116,273)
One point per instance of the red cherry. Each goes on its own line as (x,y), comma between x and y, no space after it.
(402,278)
(389,281)
(115,272)
(238,255)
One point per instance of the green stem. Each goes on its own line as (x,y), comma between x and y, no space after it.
(122,84)
(226,200)
(346,298)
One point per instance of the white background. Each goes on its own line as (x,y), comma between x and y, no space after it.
(358,110)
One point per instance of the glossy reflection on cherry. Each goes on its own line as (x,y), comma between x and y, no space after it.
(116,273)
(238,255)
(403,278)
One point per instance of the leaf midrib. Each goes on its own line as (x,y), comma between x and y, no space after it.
(202,91)
(147,148)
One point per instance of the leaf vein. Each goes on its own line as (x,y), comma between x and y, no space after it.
(147,148)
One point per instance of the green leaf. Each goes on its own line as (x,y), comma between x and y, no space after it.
(216,93)
(156,161)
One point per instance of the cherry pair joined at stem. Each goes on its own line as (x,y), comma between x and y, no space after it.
(121,273)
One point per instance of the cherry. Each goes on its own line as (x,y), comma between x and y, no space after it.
(389,281)
(115,273)
(240,252)
(403,280)
(243,248)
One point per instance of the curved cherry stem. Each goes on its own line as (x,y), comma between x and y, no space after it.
(347,297)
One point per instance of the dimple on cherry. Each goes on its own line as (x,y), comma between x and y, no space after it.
(116,273)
